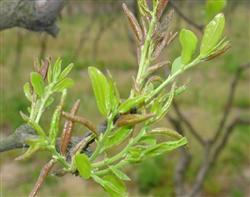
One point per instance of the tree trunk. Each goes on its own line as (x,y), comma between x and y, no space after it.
(33,15)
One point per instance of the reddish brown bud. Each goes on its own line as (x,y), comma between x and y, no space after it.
(133,23)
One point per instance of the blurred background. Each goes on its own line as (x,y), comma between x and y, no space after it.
(95,33)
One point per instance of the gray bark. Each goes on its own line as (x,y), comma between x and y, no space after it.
(34,15)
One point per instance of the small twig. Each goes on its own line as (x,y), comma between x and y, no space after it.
(82,121)
(68,127)
(192,130)
(211,156)
(43,174)
(183,163)
(183,16)
(229,102)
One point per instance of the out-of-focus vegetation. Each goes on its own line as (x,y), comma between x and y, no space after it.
(202,104)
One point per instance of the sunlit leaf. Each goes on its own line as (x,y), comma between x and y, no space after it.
(37,83)
(117,137)
(83,165)
(66,71)
(101,90)
(114,186)
(57,67)
(188,42)
(212,35)
(63,84)
(121,175)
(177,65)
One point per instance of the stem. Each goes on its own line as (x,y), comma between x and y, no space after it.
(105,171)
(121,154)
(103,139)
(171,78)
(146,54)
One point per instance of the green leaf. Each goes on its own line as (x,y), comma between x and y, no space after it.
(49,102)
(34,146)
(101,90)
(114,94)
(177,65)
(66,71)
(213,7)
(212,35)
(83,165)
(167,132)
(121,175)
(188,42)
(63,84)
(131,102)
(31,150)
(118,136)
(55,122)
(37,83)
(164,147)
(148,139)
(135,154)
(114,186)
(57,68)
(27,91)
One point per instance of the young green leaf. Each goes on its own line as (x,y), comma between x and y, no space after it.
(188,42)
(212,35)
(55,122)
(37,83)
(213,7)
(27,91)
(66,71)
(177,65)
(148,139)
(131,102)
(83,165)
(101,90)
(118,136)
(57,67)
(63,84)
(164,147)
(114,94)
(114,186)
(121,175)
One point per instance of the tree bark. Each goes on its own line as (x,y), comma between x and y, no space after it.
(39,16)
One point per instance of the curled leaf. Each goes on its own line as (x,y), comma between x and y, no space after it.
(132,119)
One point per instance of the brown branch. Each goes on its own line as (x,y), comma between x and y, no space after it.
(229,102)
(192,130)
(183,16)
(43,174)
(82,121)
(211,156)
(67,130)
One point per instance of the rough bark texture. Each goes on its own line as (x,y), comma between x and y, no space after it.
(39,16)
